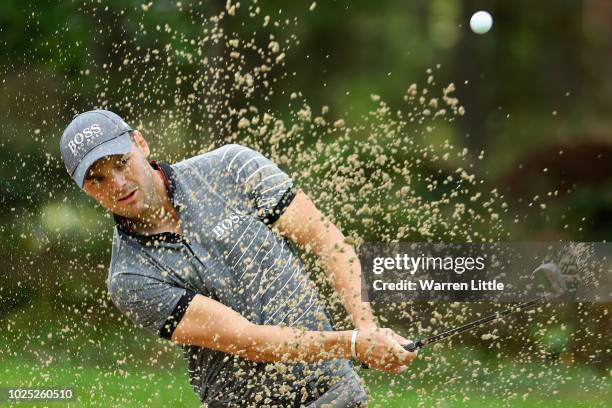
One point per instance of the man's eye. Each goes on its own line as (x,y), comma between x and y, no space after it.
(124,161)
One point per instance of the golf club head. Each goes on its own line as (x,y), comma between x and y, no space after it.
(549,280)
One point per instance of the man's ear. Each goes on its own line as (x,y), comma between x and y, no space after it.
(141,143)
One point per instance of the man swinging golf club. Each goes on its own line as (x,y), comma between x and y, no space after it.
(203,255)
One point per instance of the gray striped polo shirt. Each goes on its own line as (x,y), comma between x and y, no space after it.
(226,200)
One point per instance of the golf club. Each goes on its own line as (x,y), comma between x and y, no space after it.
(547,277)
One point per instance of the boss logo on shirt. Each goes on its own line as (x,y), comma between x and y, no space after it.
(227,224)
(92,131)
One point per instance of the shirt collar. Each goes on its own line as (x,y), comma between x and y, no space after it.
(124,225)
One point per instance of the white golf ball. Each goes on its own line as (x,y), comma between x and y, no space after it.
(481,22)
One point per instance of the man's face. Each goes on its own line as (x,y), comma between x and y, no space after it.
(124,184)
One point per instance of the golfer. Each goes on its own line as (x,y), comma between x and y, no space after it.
(204,255)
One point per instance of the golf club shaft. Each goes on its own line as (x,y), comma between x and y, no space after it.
(476,323)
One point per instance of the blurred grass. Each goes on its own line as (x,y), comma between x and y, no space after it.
(110,363)
(457,385)
(103,387)
(461,377)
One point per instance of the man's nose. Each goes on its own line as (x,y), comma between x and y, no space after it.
(119,180)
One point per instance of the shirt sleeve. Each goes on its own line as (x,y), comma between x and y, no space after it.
(150,303)
(270,189)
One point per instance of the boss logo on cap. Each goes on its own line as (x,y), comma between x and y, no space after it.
(92,131)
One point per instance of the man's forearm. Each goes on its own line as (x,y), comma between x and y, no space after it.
(343,268)
(283,343)
(210,324)
(305,225)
